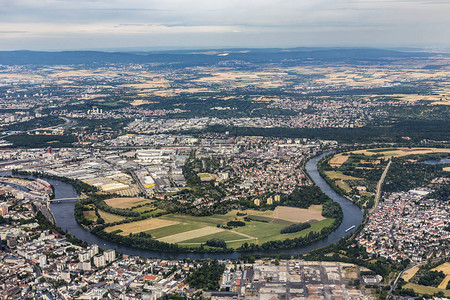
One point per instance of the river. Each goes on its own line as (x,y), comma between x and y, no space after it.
(64,215)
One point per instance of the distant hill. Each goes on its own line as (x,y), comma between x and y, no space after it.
(202,57)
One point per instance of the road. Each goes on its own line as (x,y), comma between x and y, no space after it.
(380,183)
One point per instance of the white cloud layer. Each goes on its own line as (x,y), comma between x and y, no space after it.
(90,24)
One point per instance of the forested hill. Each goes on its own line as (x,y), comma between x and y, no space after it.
(294,55)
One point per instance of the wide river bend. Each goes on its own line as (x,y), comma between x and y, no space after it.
(64,215)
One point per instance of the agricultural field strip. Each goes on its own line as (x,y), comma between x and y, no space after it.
(179,237)
(228,235)
(410,273)
(403,151)
(338,160)
(110,218)
(444,282)
(297,215)
(140,226)
(445,267)
(337,175)
(126,202)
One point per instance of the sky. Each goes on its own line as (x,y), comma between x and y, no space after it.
(203,24)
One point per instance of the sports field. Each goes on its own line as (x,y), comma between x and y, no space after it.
(126,202)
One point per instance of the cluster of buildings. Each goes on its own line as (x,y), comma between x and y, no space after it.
(408,225)
(44,265)
(19,116)
(155,140)
(338,117)
(20,189)
(273,167)
(37,263)
(293,279)
(257,165)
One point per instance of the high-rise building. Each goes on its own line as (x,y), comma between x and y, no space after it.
(99,260)
(84,256)
(110,255)
(3,209)
(42,261)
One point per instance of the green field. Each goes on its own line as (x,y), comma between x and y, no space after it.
(253,232)
(265,232)
(174,229)
(204,175)
(192,231)
(225,235)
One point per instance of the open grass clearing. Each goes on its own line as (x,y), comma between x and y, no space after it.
(349,272)
(110,218)
(126,202)
(410,273)
(444,282)
(90,215)
(194,230)
(140,226)
(297,215)
(206,220)
(344,185)
(338,160)
(174,229)
(402,151)
(445,267)
(421,289)
(266,232)
(338,175)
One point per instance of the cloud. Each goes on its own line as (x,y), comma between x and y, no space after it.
(235,22)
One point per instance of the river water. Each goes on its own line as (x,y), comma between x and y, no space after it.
(442,161)
(64,215)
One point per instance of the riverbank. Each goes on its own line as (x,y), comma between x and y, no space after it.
(64,214)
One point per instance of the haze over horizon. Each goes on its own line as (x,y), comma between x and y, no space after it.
(177,24)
